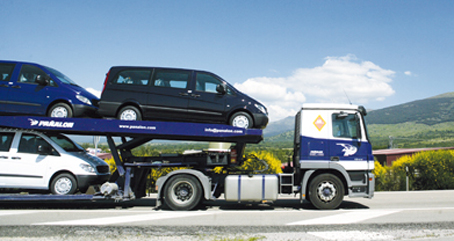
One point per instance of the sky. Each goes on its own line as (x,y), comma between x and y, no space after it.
(282,53)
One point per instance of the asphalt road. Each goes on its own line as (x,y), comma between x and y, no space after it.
(420,215)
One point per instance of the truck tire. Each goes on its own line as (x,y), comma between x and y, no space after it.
(326,191)
(182,192)
(130,113)
(241,119)
(63,184)
(61,110)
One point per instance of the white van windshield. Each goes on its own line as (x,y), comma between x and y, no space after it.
(63,78)
(65,143)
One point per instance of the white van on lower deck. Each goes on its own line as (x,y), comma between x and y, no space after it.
(47,161)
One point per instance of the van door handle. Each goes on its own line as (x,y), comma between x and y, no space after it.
(15,158)
(16,86)
(3,157)
(184,94)
(4,86)
(195,96)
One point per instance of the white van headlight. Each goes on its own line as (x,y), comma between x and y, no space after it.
(261,108)
(87,168)
(83,99)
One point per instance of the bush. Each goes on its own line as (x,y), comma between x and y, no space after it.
(429,170)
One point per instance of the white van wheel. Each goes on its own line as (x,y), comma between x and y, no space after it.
(63,184)
(241,120)
(129,113)
(61,110)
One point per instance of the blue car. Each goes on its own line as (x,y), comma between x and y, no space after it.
(33,89)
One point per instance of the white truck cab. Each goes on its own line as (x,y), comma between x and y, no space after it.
(47,161)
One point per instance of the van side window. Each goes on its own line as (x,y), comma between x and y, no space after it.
(5,71)
(346,126)
(208,83)
(171,78)
(5,141)
(133,77)
(28,74)
(29,143)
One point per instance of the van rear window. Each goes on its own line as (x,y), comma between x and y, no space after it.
(133,77)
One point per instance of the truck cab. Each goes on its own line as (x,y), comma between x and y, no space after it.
(332,153)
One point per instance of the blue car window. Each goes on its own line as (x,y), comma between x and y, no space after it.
(28,74)
(5,71)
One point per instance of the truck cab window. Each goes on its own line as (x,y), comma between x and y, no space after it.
(346,126)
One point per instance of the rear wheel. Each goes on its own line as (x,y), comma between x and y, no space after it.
(182,192)
(62,110)
(130,113)
(63,184)
(326,191)
(241,119)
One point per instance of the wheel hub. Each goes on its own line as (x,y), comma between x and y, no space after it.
(183,192)
(326,191)
(128,115)
(241,121)
(59,112)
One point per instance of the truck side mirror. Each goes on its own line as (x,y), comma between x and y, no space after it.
(220,89)
(41,80)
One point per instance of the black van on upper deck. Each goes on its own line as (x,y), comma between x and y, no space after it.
(137,93)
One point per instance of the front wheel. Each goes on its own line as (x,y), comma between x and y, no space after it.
(63,184)
(61,110)
(326,191)
(182,192)
(242,120)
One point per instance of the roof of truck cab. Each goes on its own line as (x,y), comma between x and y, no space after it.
(329,106)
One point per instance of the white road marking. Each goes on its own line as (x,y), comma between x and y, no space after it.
(351,235)
(126,219)
(18,212)
(346,218)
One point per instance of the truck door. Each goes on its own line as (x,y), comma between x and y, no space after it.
(349,144)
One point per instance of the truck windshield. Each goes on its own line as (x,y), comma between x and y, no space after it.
(63,78)
(346,126)
(65,143)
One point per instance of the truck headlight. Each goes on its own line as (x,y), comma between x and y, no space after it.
(261,108)
(83,99)
(87,168)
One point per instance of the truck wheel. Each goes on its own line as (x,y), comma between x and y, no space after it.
(241,119)
(326,191)
(62,110)
(182,192)
(129,113)
(63,184)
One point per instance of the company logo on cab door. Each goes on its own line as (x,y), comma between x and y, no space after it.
(57,124)
(348,150)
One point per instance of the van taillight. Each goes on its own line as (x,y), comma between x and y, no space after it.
(105,82)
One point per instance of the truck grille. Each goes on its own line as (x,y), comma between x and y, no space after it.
(103,169)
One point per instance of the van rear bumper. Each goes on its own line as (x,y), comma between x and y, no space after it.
(85,181)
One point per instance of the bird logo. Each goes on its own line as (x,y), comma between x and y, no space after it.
(33,122)
(348,150)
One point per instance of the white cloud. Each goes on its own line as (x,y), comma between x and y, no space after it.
(362,81)
(409,73)
(96,93)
